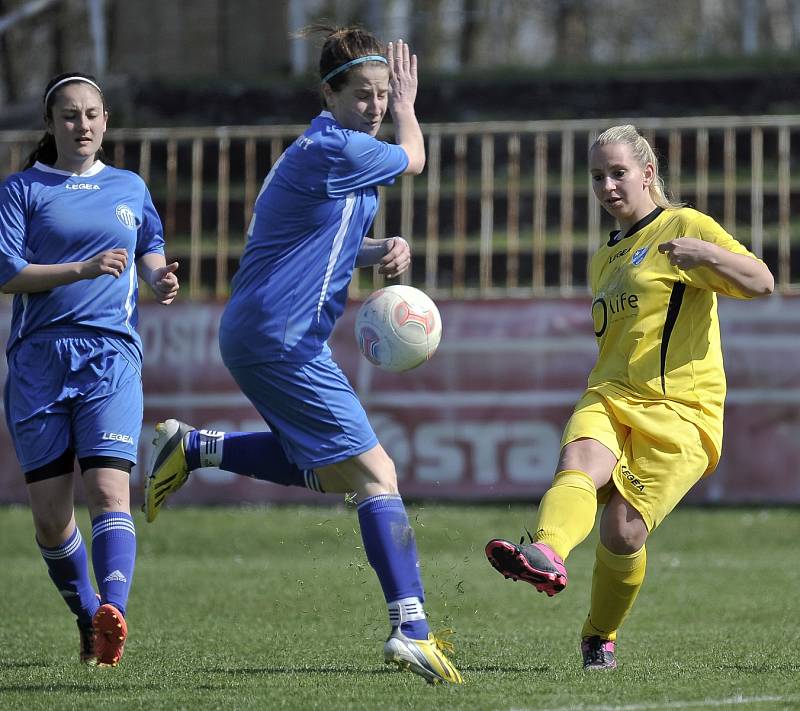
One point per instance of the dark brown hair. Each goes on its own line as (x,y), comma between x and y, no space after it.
(46,151)
(342,45)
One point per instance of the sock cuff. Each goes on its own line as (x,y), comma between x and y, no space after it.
(576,478)
(66,549)
(622,563)
(112,521)
(210,444)
(380,502)
(406,610)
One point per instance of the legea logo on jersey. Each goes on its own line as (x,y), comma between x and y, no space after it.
(638,256)
(81,186)
(116,437)
(606,306)
(126,216)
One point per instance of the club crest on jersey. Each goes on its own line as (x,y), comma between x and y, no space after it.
(638,256)
(126,216)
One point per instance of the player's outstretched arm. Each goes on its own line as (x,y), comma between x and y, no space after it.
(748,275)
(159,276)
(43,277)
(402,95)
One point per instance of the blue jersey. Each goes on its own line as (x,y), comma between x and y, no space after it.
(310,218)
(51,216)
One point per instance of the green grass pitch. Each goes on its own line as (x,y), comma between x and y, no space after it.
(277,608)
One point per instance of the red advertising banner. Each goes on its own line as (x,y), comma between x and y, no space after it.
(482,420)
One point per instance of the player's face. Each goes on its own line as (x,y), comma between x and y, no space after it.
(78,122)
(361,104)
(620,184)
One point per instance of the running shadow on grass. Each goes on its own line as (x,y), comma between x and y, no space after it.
(22,665)
(294,670)
(485,669)
(93,688)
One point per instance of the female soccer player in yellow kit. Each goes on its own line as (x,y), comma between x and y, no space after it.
(649,425)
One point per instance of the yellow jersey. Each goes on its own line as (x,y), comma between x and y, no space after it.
(656,324)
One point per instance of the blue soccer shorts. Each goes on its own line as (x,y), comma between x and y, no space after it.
(311,407)
(83,394)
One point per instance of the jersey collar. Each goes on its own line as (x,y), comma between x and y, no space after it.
(97,166)
(615,237)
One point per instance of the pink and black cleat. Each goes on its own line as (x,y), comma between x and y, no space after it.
(598,654)
(534,563)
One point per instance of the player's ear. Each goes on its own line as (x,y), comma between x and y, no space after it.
(327,94)
(649,174)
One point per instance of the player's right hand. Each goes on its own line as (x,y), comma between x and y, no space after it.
(112,261)
(402,74)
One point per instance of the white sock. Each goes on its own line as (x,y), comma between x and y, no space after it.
(211,442)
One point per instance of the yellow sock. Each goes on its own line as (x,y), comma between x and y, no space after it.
(567,511)
(615,585)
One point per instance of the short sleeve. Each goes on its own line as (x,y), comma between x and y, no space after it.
(706,228)
(13,230)
(364,162)
(150,237)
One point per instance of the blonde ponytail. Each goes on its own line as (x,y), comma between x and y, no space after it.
(643,153)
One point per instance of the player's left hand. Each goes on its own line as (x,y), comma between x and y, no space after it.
(164,283)
(397,258)
(688,252)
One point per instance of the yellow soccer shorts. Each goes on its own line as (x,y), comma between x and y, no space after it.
(661,454)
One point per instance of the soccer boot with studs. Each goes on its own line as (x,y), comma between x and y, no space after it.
(422,656)
(86,653)
(534,563)
(168,468)
(598,654)
(110,633)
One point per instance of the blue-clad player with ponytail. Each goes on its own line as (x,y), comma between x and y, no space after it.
(75,237)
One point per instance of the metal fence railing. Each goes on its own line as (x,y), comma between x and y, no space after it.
(502,209)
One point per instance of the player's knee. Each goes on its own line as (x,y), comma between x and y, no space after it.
(52,531)
(102,499)
(624,537)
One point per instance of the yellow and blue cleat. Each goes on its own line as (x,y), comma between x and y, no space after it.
(422,656)
(168,468)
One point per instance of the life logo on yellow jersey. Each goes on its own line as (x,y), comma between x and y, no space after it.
(638,256)
(610,305)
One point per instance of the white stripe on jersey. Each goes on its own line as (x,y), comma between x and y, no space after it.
(129,302)
(338,241)
(22,318)
(264,185)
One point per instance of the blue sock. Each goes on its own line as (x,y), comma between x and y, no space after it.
(113,556)
(391,549)
(258,455)
(68,566)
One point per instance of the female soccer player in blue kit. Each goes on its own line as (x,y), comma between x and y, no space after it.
(649,425)
(307,235)
(70,229)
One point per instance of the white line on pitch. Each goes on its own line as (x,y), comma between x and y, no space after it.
(699,703)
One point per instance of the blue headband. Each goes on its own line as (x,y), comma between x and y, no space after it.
(347,65)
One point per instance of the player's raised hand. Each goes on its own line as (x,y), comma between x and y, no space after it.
(688,252)
(111,261)
(164,283)
(402,75)
(397,258)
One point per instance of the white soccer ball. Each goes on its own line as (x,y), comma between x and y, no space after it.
(398,328)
